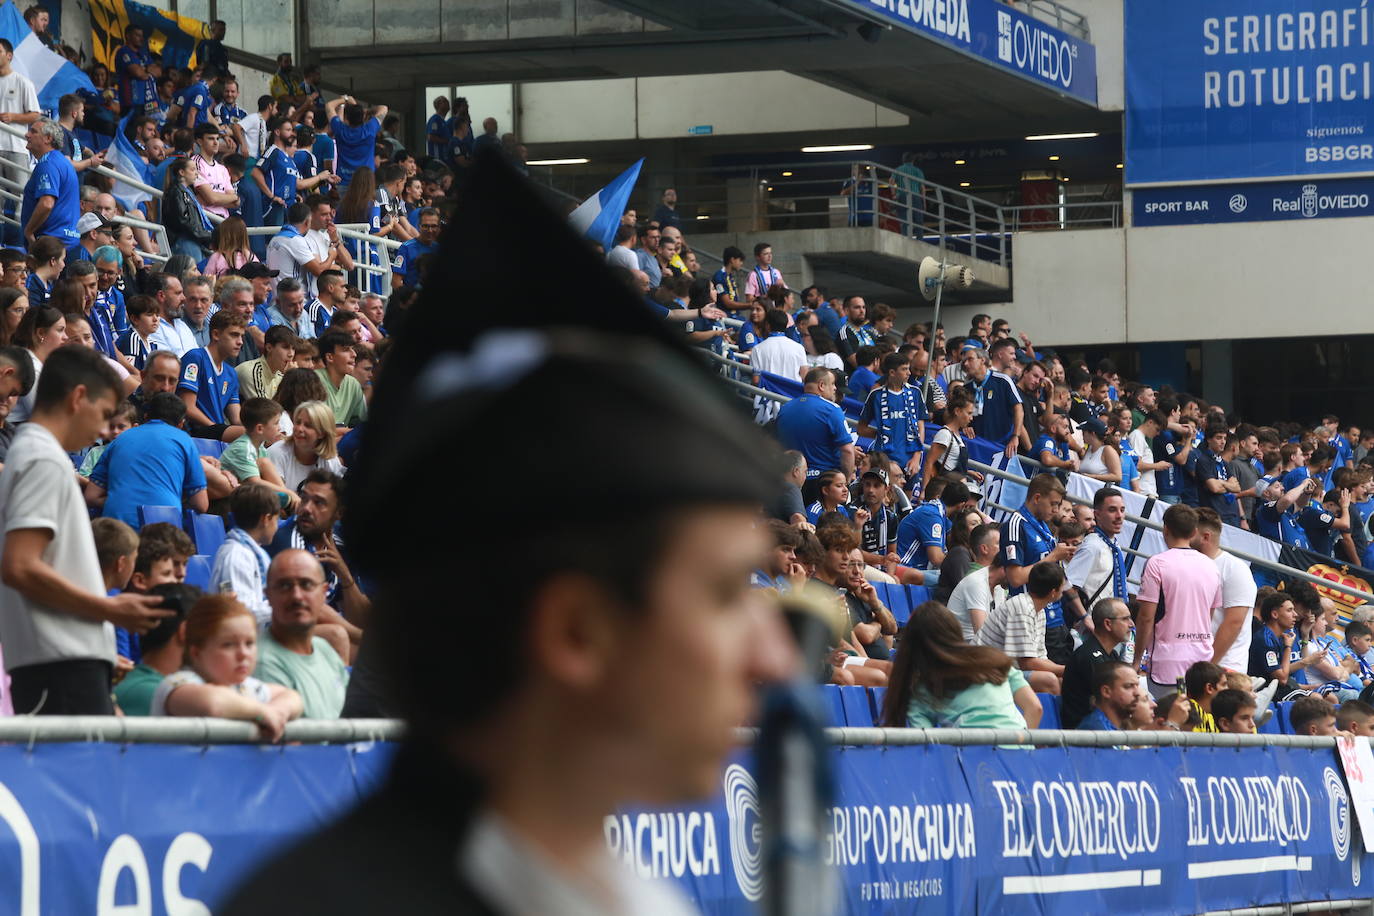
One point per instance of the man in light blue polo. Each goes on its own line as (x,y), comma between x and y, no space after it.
(814,425)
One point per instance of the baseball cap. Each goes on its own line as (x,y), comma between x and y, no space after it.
(878,473)
(1096,427)
(254,269)
(971,345)
(90,221)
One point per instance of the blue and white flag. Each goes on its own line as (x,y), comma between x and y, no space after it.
(999,490)
(123,157)
(598,216)
(53,76)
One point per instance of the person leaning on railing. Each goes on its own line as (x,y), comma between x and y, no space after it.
(188,228)
(221,653)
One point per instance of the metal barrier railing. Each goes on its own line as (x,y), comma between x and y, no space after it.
(1291,572)
(190,730)
(831,194)
(193,730)
(1056,14)
(1097,214)
(369,244)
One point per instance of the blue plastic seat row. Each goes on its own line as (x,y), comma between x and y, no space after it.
(901,599)
(206,531)
(861,707)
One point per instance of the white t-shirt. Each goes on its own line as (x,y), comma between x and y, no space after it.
(292,471)
(23,408)
(251,687)
(255,135)
(1141,446)
(972,592)
(826,360)
(288,254)
(620,256)
(779,355)
(17,96)
(38,490)
(954,447)
(1238,589)
(1091,568)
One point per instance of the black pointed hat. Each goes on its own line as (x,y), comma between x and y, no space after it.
(525,357)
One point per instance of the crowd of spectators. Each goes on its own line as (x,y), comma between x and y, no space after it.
(234,378)
(229,382)
(1046,593)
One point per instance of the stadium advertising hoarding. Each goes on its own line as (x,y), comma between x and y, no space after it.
(1252,202)
(1226,90)
(1002,36)
(88,828)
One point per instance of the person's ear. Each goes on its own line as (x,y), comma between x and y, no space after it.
(574,631)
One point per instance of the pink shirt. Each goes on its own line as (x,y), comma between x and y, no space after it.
(1191,587)
(217,177)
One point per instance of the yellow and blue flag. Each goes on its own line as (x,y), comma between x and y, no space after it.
(168,34)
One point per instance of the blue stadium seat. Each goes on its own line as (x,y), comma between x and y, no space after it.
(876,695)
(896,599)
(834,704)
(211,448)
(1281,711)
(1050,718)
(147,515)
(858,713)
(207,531)
(1273,726)
(198,571)
(918,594)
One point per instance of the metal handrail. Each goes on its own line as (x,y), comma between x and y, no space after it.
(1061,17)
(1364,597)
(1305,576)
(1111,211)
(810,195)
(193,730)
(190,730)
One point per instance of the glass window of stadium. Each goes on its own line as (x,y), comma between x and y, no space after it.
(196,9)
(488,100)
(266,27)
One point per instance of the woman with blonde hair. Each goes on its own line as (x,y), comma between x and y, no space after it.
(221,653)
(231,249)
(312,445)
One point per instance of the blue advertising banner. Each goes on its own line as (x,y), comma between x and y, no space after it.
(1004,37)
(1227,89)
(1247,203)
(90,828)
(1061,831)
(1056,831)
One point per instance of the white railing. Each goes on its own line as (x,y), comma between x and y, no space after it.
(369,245)
(735,368)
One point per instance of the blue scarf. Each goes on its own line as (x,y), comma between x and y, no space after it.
(910,401)
(978,388)
(1118,565)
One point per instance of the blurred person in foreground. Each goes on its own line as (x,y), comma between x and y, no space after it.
(642,645)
